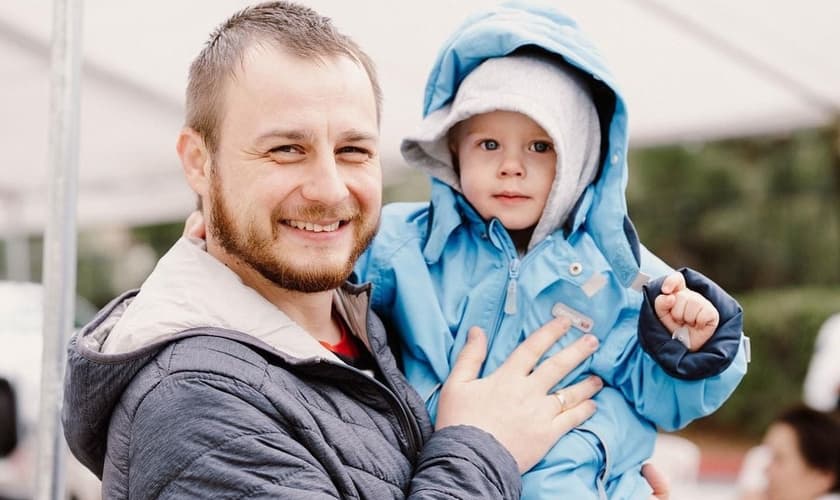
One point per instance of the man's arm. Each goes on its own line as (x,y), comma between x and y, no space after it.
(179,428)
(207,436)
(201,435)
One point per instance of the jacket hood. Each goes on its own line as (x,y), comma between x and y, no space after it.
(498,32)
(189,289)
(189,293)
(539,86)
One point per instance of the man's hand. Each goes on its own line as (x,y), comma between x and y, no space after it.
(194,227)
(657,481)
(680,308)
(513,403)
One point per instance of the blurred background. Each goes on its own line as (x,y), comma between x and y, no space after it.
(734,170)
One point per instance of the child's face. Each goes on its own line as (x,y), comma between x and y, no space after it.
(507,165)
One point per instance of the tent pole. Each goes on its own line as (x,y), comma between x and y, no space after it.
(59,275)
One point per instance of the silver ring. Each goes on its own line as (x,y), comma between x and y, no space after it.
(561,396)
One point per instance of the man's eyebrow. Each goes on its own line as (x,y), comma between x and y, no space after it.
(290,135)
(357,135)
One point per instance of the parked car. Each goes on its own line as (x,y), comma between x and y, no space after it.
(21,311)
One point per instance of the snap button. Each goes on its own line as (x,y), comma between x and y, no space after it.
(575,268)
(615,159)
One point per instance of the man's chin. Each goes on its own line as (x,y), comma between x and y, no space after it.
(308,282)
(319,274)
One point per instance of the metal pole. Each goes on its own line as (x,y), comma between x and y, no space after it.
(59,240)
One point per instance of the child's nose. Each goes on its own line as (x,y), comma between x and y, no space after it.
(512,166)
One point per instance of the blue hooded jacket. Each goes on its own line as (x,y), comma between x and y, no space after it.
(439,269)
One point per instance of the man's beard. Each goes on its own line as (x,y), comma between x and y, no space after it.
(258,252)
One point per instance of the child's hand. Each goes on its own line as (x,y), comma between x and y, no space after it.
(680,308)
(194,227)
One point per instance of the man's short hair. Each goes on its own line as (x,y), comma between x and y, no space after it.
(292,27)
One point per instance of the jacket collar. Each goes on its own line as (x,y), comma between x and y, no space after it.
(190,289)
(450,210)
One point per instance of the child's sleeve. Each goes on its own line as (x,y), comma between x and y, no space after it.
(666,383)
(674,357)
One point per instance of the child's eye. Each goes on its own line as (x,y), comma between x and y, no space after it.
(489,145)
(541,147)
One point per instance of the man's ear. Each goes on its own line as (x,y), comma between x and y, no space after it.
(195,160)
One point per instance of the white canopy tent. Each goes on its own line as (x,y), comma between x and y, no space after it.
(690,72)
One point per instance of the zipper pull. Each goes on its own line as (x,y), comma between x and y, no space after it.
(510,297)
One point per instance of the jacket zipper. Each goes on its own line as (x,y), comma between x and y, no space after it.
(408,425)
(412,429)
(510,296)
(510,291)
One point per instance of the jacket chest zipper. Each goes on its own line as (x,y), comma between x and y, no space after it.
(511,294)
(404,420)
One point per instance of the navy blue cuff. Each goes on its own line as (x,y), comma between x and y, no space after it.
(674,357)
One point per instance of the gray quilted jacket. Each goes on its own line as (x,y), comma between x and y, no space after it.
(183,404)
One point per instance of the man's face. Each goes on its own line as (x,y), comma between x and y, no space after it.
(295,190)
(507,163)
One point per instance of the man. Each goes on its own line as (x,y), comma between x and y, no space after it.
(249,368)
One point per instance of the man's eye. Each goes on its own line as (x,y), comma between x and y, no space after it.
(489,144)
(286,148)
(351,149)
(354,153)
(541,147)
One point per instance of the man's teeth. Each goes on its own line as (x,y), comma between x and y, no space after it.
(311,226)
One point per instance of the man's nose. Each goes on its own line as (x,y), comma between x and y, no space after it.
(324,182)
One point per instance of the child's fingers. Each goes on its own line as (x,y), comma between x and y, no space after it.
(708,316)
(663,304)
(673,283)
(691,309)
(678,311)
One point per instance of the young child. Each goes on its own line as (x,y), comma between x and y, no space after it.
(525,138)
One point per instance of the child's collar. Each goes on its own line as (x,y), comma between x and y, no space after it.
(447,210)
